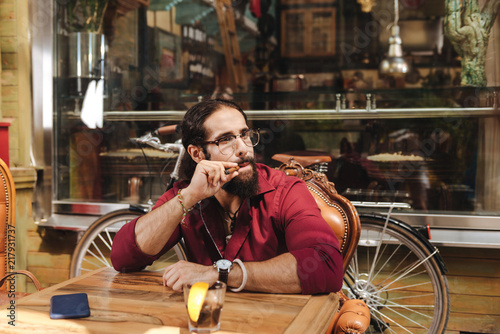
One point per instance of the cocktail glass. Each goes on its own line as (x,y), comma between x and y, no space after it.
(206,305)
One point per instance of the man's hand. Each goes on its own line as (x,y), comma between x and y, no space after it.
(182,272)
(207,180)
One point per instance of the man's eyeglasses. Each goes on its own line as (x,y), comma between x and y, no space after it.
(227,144)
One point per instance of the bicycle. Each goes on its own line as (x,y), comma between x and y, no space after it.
(396,270)
(395,265)
(400,275)
(94,247)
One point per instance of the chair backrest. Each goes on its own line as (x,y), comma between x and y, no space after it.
(7,214)
(337,210)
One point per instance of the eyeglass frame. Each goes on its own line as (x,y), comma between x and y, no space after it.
(216,142)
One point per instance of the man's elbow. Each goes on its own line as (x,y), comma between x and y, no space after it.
(116,261)
(332,268)
(119,261)
(337,282)
(320,273)
(123,267)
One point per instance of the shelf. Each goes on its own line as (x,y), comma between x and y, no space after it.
(314,114)
(388,104)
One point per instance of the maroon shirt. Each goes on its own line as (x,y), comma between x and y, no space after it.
(282,217)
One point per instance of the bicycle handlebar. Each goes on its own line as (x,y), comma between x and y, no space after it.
(152,140)
(167,130)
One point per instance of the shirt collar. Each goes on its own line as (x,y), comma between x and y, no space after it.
(264,185)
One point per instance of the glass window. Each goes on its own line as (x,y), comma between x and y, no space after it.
(309,74)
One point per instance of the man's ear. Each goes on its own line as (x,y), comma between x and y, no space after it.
(196,153)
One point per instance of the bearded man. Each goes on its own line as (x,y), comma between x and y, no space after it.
(242,222)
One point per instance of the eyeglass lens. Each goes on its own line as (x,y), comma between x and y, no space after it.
(250,138)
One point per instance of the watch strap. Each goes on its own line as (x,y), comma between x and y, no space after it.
(223,275)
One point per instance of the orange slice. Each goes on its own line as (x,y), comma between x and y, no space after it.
(196,298)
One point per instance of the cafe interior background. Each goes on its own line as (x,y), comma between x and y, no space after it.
(415,122)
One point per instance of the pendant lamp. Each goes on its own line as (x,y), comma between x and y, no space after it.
(394,64)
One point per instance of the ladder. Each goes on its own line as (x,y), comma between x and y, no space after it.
(236,71)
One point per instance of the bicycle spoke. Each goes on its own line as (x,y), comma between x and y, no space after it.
(405,287)
(399,264)
(375,260)
(97,265)
(110,239)
(412,311)
(416,296)
(384,316)
(387,261)
(103,240)
(408,276)
(416,265)
(100,253)
(104,262)
(391,305)
(171,257)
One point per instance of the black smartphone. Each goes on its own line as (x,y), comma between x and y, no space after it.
(69,306)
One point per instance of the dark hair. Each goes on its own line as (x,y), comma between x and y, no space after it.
(193,130)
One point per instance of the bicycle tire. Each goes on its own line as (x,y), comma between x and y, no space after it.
(93,249)
(399,278)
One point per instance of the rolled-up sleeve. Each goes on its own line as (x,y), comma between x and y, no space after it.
(126,254)
(311,241)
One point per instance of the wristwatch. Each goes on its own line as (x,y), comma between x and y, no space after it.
(223,267)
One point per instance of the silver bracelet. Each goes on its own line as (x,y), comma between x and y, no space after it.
(245,276)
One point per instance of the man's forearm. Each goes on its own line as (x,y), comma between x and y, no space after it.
(277,275)
(154,229)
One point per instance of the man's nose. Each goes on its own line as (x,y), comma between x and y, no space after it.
(240,148)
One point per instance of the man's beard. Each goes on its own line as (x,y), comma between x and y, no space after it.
(244,186)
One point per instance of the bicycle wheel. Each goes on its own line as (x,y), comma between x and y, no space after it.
(94,248)
(399,279)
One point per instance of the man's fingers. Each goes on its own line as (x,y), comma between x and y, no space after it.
(177,286)
(182,272)
(170,279)
(170,272)
(215,174)
(210,176)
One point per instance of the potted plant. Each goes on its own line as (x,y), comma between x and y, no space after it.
(86,15)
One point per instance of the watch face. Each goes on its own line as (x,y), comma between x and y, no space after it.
(223,264)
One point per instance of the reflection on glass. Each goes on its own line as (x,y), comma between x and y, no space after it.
(424,140)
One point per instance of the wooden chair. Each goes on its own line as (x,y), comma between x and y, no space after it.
(7,237)
(353,315)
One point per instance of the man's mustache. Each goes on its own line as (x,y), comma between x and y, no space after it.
(243,160)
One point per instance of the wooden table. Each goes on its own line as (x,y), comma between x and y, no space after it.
(139,303)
